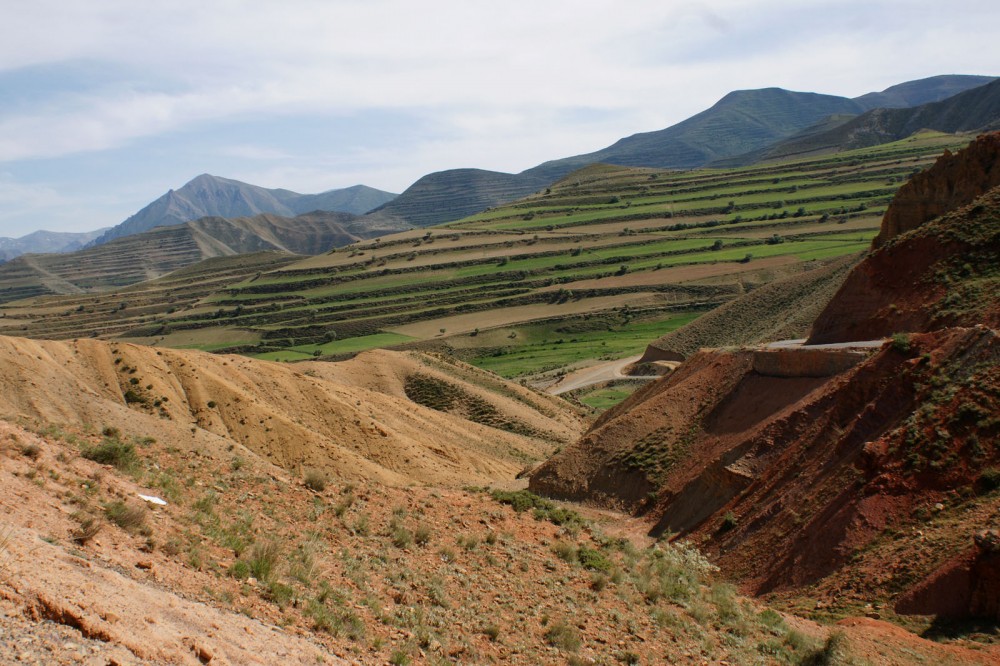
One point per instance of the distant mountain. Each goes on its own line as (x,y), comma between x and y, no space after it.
(451,195)
(165,249)
(974,110)
(209,195)
(922,91)
(45,241)
(741,121)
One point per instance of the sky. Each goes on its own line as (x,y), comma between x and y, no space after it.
(107,104)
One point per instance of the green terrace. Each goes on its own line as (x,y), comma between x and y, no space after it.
(667,243)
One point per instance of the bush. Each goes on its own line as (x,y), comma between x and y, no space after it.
(422,535)
(989,479)
(901,343)
(315,480)
(563,636)
(113,451)
(593,559)
(263,560)
(129,517)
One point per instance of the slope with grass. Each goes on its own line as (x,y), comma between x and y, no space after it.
(781,310)
(247,563)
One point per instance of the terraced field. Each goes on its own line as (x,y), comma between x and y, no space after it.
(604,241)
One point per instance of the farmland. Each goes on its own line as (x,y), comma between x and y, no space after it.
(639,251)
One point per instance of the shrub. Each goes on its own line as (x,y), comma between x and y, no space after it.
(728,522)
(88,529)
(901,343)
(239,570)
(32,451)
(422,535)
(989,479)
(113,451)
(594,559)
(263,560)
(563,636)
(315,480)
(129,517)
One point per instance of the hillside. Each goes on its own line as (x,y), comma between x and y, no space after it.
(451,195)
(837,480)
(922,91)
(781,310)
(148,255)
(247,564)
(741,121)
(361,420)
(973,110)
(211,196)
(236,522)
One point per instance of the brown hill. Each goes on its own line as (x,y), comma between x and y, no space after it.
(927,271)
(954,181)
(796,468)
(366,418)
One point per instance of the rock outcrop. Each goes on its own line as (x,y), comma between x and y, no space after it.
(936,264)
(954,181)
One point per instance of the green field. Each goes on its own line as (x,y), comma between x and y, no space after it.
(535,349)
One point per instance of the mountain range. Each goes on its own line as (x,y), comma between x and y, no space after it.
(46,241)
(209,195)
(743,122)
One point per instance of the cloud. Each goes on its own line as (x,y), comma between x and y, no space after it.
(388,90)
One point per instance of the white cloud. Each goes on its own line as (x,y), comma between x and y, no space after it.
(508,84)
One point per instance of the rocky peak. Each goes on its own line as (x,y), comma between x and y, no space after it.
(954,181)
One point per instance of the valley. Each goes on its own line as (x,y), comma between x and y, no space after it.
(576,427)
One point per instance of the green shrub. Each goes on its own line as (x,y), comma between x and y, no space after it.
(113,451)
(130,517)
(422,535)
(989,479)
(901,343)
(263,560)
(591,558)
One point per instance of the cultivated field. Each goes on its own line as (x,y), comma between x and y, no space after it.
(603,242)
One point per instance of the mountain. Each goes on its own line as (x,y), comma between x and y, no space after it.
(741,123)
(209,195)
(456,193)
(848,477)
(922,91)
(45,241)
(147,255)
(974,110)
(738,123)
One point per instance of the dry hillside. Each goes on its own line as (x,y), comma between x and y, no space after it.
(379,416)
